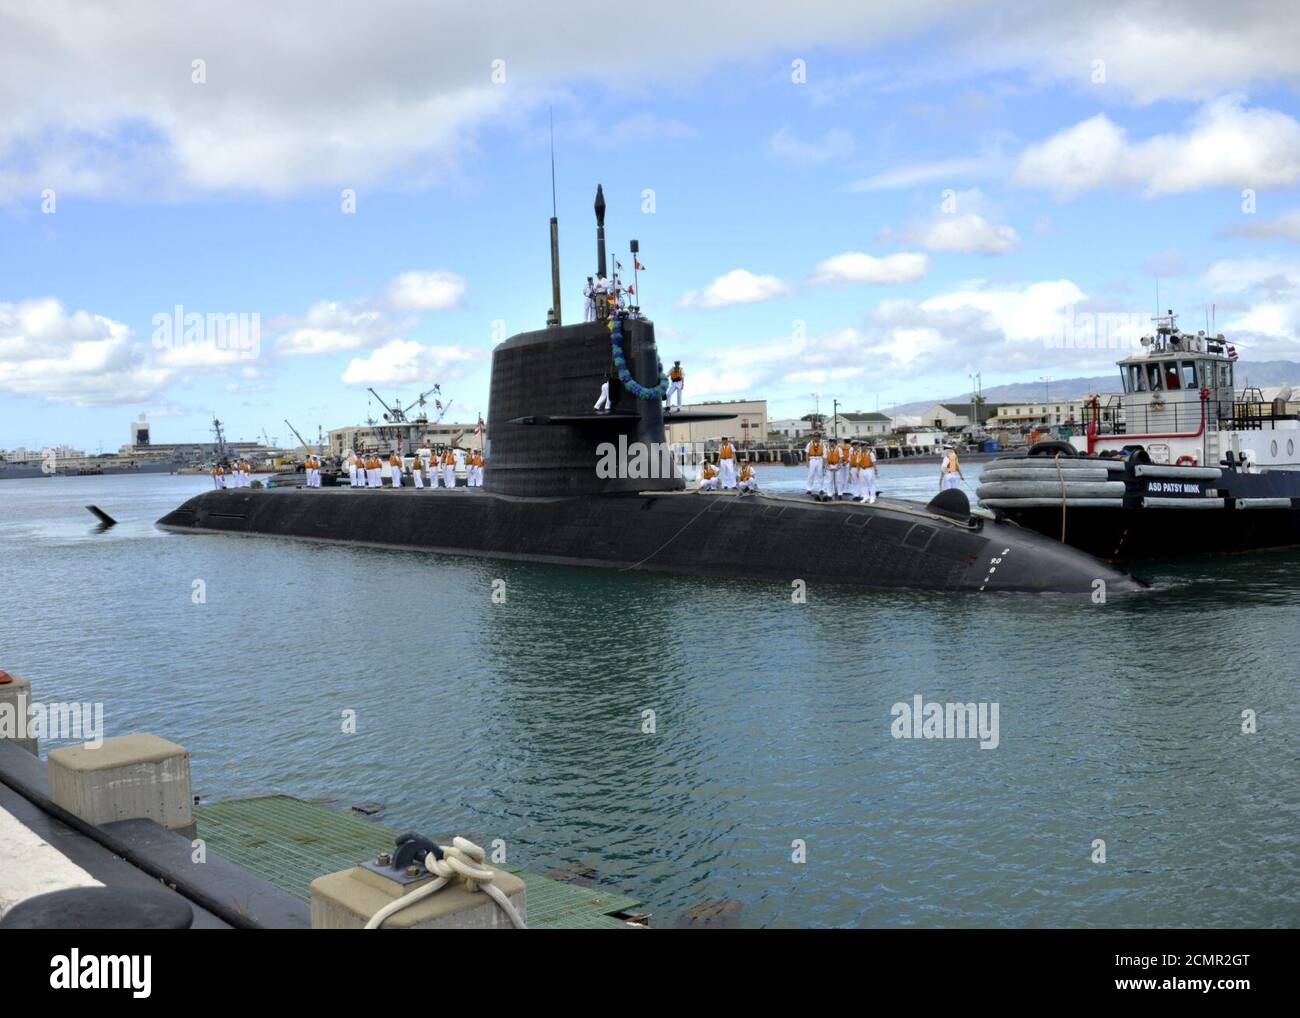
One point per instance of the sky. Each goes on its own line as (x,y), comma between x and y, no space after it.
(869,206)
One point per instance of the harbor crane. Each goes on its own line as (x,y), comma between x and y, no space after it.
(298,436)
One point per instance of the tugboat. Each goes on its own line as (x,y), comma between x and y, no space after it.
(1181,463)
(546,496)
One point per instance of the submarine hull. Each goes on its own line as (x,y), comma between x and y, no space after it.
(760,537)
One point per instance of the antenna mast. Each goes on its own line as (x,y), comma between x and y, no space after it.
(554,318)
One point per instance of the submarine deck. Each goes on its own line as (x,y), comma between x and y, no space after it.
(776,538)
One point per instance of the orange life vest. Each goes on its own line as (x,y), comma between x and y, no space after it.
(449,459)
(950,464)
(393,461)
(746,472)
(726,452)
(868,460)
(833,456)
(675,374)
(815,448)
(709,471)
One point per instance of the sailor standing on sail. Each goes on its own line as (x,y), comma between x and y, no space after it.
(815,453)
(218,479)
(727,463)
(676,380)
(395,470)
(589,301)
(949,469)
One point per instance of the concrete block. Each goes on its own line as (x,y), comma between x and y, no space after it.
(15,696)
(347,899)
(128,777)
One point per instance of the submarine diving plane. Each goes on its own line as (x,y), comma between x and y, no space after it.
(545,498)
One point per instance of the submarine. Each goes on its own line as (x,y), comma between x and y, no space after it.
(547,495)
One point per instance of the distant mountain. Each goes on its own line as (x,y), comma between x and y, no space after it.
(1259,374)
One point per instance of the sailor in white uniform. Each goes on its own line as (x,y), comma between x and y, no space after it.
(867,475)
(589,301)
(676,380)
(727,463)
(815,452)
(603,403)
(949,469)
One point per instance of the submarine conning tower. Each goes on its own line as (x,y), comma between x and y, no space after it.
(544,432)
(545,435)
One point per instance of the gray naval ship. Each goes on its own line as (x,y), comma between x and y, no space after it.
(546,497)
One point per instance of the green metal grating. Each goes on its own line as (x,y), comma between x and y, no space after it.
(290,843)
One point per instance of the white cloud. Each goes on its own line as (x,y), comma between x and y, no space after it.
(1195,49)
(945,171)
(967,232)
(426,291)
(333,327)
(1262,312)
(100,100)
(1225,144)
(856,267)
(739,286)
(79,358)
(836,143)
(1283,227)
(403,362)
(1033,313)
(336,327)
(971,232)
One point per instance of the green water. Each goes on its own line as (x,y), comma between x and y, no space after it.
(524,721)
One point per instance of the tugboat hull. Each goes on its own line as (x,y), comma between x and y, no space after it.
(760,537)
(1145,511)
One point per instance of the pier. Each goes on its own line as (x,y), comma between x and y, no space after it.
(113,832)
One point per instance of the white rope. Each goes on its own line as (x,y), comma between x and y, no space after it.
(461,859)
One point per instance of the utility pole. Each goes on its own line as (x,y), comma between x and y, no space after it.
(835,420)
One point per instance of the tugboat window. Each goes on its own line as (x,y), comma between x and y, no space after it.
(1171,376)
(1153,377)
(1189,375)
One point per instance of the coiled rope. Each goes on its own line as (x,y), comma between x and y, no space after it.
(462,858)
(625,375)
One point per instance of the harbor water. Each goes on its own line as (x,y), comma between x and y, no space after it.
(688,741)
